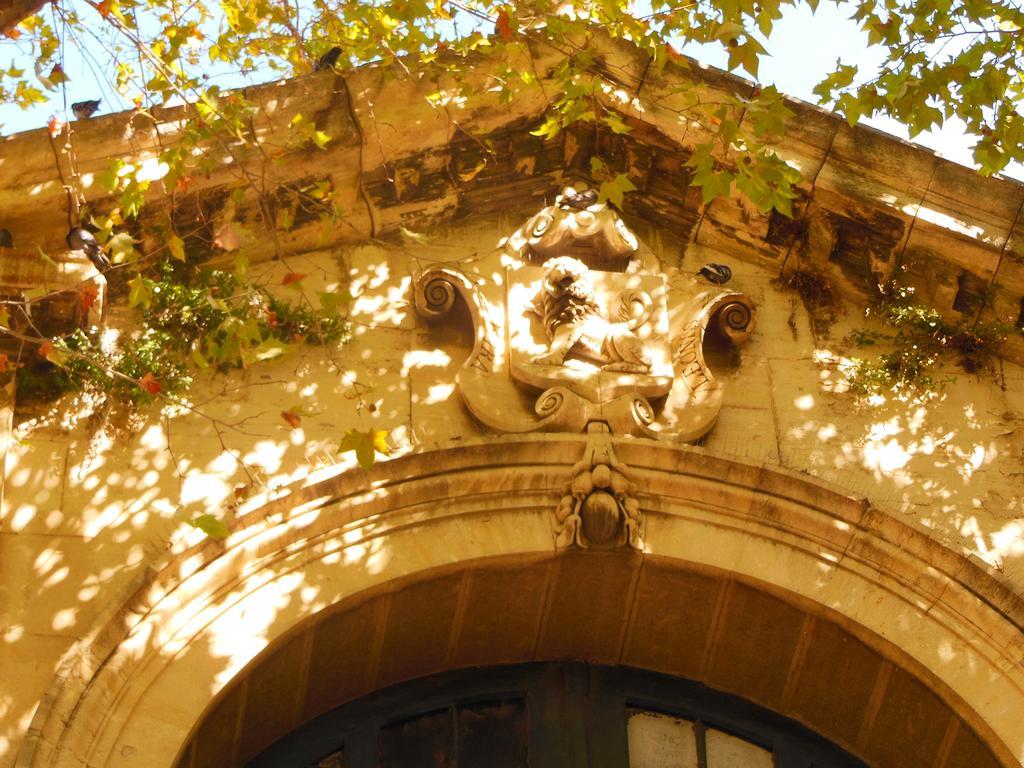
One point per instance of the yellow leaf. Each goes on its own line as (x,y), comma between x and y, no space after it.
(176,246)
(140,292)
(380,444)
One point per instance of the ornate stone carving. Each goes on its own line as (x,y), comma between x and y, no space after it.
(567,307)
(578,226)
(599,509)
(561,346)
(435,293)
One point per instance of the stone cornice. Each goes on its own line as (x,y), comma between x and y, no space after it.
(869,204)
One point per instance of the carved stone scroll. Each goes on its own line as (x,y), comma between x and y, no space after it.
(435,291)
(696,397)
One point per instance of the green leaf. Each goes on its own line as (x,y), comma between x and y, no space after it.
(616,123)
(110,179)
(270,348)
(46,257)
(212,526)
(197,357)
(122,248)
(140,293)
(331,301)
(548,129)
(613,190)
(241,268)
(215,303)
(712,183)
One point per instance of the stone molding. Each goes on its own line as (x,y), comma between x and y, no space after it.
(149,667)
(869,203)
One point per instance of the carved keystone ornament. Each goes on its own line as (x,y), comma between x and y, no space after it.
(584,333)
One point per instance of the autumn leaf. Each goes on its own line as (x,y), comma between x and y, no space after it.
(13,33)
(104,8)
(54,126)
(210,525)
(292,277)
(57,75)
(176,246)
(471,174)
(150,384)
(504,26)
(5,317)
(293,419)
(413,237)
(89,293)
(3,363)
(49,352)
(365,444)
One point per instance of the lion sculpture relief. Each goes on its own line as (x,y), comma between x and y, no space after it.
(567,306)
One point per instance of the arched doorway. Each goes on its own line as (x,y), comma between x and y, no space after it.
(781,658)
(568,715)
(754,582)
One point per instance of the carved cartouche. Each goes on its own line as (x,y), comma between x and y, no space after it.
(578,226)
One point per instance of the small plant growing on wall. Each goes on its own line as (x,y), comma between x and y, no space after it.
(818,297)
(920,342)
(189,319)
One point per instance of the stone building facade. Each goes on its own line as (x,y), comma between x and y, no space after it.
(628,499)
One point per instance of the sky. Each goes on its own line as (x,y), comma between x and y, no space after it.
(803,48)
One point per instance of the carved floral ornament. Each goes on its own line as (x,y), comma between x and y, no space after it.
(583,333)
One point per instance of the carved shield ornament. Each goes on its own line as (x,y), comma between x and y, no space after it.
(583,327)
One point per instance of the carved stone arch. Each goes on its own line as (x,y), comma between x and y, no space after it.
(749,548)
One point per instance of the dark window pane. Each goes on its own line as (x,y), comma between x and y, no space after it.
(334,760)
(493,735)
(422,742)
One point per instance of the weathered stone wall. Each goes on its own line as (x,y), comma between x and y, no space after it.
(85,512)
